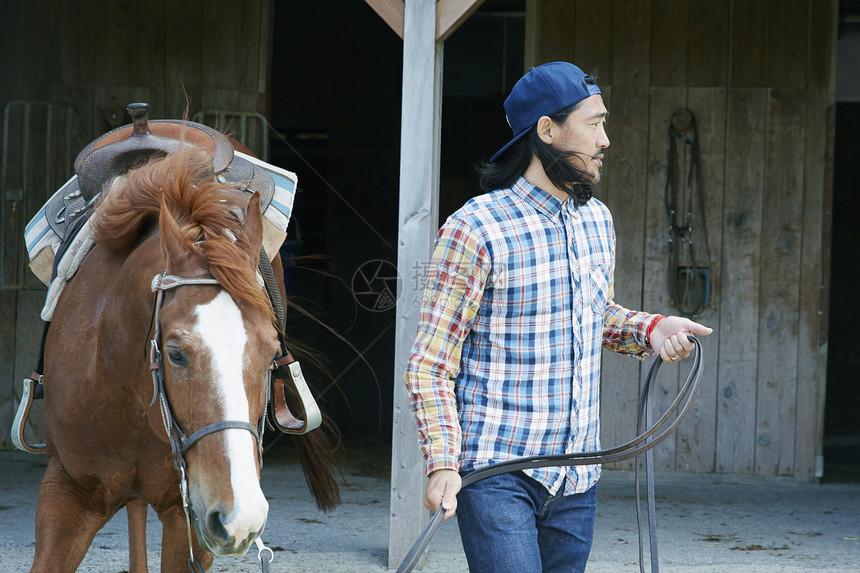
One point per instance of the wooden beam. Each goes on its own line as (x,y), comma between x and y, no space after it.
(451,13)
(391,11)
(421,115)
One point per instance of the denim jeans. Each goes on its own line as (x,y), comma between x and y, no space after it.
(510,523)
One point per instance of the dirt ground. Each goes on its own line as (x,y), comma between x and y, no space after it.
(706,524)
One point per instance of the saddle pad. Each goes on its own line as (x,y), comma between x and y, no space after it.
(277,215)
(42,239)
(69,264)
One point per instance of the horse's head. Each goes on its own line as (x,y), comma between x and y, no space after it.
(218,342)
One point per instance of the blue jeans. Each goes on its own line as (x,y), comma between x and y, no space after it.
(510,523)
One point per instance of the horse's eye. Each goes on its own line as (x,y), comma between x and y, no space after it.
(177,357)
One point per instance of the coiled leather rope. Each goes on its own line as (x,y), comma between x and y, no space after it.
(645,441)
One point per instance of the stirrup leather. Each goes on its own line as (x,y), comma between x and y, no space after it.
(20,421)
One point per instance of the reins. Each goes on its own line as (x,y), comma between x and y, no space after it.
(642,443)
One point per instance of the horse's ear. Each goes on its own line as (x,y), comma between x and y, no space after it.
(174,243)
(252,230)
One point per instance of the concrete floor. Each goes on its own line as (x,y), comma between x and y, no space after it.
(706,523)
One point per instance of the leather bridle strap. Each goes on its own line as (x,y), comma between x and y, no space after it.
(644,442)
(187,442)
(165,281)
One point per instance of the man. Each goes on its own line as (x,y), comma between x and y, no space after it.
(506,363)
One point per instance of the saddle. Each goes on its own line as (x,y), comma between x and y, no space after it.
(58,238)
(103,162)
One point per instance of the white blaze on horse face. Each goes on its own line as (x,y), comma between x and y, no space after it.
(221,329)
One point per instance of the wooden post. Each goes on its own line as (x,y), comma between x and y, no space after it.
(418,221)
(425,26)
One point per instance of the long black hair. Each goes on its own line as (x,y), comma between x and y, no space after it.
(556,163)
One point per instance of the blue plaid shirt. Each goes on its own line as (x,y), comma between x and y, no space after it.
(518,304)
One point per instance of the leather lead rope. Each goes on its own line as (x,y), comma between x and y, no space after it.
(645,441)
(689,272)
(645,412)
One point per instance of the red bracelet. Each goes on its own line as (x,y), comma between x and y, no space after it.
(652,325)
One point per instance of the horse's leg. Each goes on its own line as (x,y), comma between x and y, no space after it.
(174,543)
(137,536)
(67,520)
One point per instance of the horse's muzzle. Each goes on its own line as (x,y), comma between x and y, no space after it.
(218,535)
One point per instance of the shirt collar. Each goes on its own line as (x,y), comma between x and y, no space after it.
(537,197)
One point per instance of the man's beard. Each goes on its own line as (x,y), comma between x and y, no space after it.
(561,167)
(586,184)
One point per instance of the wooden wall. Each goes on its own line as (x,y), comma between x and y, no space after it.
(759,77)
(67,72)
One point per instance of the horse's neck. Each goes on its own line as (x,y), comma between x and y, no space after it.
(127,302)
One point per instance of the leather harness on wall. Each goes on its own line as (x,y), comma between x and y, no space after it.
(689,260)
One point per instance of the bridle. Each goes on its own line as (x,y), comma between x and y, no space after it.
(179,441)
(689,263)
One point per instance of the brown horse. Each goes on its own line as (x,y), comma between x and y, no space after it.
(107,427)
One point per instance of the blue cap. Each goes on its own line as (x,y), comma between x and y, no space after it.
(544,90)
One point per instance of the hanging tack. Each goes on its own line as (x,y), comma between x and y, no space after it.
(682,119)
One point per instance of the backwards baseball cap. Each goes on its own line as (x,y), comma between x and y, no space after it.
(544,90)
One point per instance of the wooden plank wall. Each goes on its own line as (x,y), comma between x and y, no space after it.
(68,71)
(758,75)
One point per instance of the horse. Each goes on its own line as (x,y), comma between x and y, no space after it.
(164,331)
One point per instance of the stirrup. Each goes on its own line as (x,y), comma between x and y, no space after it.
(20,420)
(283,419)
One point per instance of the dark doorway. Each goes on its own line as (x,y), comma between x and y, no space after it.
(483,60)
(335,103)
(841,422)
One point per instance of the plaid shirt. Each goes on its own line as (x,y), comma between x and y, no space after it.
(517,306)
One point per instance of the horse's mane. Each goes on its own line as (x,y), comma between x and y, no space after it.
(208,213)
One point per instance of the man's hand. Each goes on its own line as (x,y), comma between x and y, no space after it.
(442,490)
(669,337)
